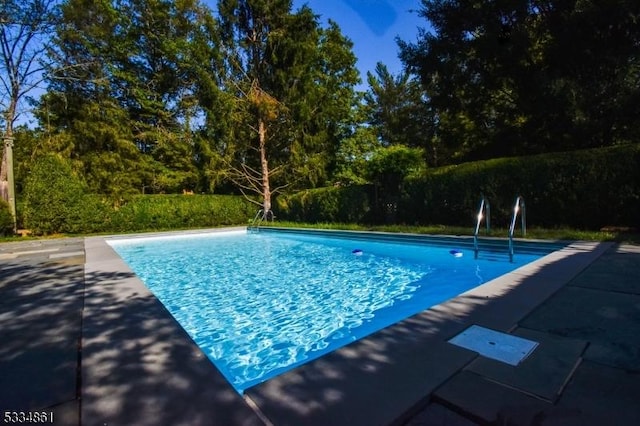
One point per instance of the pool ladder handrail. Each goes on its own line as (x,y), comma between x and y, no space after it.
(485,208)
(259,217)
(519,207)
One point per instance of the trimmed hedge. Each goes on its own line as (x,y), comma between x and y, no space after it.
(155,212)
(56,201)
(143,213)
(585,189)
(349,204)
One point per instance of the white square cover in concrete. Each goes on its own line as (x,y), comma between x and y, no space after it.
(493,344)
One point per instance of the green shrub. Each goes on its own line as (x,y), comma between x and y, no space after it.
(349,204)
(389,166)
(156,212)
(56,201)
(95,215)
(54,197)
(585,189)
(6,219)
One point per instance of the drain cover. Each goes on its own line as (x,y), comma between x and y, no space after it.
(494,344)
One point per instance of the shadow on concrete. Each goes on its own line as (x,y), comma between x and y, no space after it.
(602,306)
(390,376)
(40,328)
(139,366)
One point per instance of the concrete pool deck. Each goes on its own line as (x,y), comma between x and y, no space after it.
(83,337)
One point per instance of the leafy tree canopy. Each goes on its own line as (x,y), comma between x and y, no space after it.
(523,76)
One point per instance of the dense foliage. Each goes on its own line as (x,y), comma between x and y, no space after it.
(158,212)
(122,93)
(585,189)
(396,109)
(55,198)
(158,96)
(6,219)
(522,77)
(291,86)
(350,204)
(168,96)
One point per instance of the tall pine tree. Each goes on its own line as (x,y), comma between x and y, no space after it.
(523,77)
(293,88)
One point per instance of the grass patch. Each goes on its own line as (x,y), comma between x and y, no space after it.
(532,233)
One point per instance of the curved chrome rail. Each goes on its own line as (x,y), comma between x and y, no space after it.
(519,207)
(259,217)
(486,209)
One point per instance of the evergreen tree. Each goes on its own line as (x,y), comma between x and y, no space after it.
(122,92)
(398,111)
(292,84)
(521,77)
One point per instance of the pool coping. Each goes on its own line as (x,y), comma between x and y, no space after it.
(382,379)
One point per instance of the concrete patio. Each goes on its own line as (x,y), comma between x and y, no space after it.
(83,338)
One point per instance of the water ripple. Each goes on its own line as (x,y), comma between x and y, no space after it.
(258,304)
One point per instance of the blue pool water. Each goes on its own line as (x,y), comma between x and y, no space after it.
(261,304)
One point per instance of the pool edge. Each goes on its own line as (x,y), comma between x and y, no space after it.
(138,365)
(361,383)
(409,360)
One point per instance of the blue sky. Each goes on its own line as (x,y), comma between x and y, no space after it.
(373,26)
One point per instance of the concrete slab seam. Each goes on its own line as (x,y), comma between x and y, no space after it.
(252,404)
(511,387)
(571,373)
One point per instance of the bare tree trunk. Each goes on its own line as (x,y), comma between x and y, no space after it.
(264,166)
(4,166)
(24,36)
(4,183)
(7,181)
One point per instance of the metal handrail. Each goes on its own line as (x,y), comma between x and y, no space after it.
(519,207)
(486,208)
(255,218)
(259,217)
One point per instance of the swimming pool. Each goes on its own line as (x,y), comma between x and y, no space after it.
(260,304)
